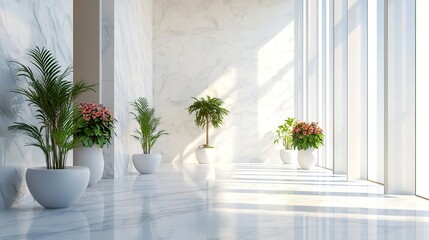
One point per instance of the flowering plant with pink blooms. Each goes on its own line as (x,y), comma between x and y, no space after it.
(98,126)
(307,135)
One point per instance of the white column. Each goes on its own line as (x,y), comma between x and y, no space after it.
(107,76)
(329,94)
(305,61)
(93,58)
(376,91)
(299,60)
(422,97)
(357,109)
(312,60)
(400,95)
(340,87)
(322,77)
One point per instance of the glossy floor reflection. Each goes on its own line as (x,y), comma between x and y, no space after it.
(241,201)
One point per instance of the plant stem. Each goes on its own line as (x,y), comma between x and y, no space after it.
(148,147)
(207,130)
(48,152)
(54,153)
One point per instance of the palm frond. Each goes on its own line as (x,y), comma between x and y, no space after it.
(208,110)
(147,134)
(34,133)
(53,98)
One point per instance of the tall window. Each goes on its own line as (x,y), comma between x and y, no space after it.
(325,79)
(376,91)
(422,98)
(328,84)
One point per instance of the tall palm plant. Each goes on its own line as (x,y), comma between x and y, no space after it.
(208,110)
(147,134)
(53,98)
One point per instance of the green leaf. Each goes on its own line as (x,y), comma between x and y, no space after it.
(208,110)
(284,133)
(53,98)
(147,134)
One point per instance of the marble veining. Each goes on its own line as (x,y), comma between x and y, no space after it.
(241,51)
(230,201)
(107,76)
(127,74)
(13,189)
(24,25)
(132,73)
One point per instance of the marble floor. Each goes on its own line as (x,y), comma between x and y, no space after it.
(240,201)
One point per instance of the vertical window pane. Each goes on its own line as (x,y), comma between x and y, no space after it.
(422,98)
(375,90)
(329,91)
(321,77)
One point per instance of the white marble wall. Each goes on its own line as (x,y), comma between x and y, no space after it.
(108,76)
(132,72)
(23,25)
(239,50)
(127,74)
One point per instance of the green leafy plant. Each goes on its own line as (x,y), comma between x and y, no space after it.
(307,135)
(284,133)
(147,134)
(53,98)
(98,125)
(208,110)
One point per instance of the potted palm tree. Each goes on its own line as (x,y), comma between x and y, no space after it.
(284,135)
(207,110)
(147,134)
(56,185)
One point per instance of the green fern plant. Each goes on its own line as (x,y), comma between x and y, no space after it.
(147,134)
(284,133)
(52,96)
(208,110)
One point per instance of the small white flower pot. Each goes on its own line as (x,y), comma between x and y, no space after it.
(91,158)
(206,155)
(289,156)
(57,188)
(307,158)
(146,163)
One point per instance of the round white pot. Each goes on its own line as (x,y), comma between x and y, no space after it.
(57,188)
(91,158)
(146,163)
(307,158)
(206,155)
(289,156)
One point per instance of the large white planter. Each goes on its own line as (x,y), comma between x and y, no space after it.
(146,163)
(307,159)
(206,155)
(289,156)
(91,158)
(57,188)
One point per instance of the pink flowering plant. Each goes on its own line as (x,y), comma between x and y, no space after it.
(307,135)
(98,126)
